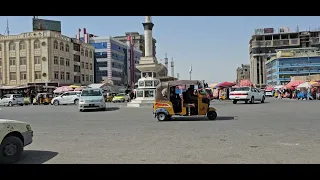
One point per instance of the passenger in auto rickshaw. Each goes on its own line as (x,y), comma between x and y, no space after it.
(191,99)
(176,100)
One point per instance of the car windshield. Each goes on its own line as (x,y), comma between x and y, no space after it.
(91,92)
(242,89)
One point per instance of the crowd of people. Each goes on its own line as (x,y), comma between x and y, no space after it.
(309,93)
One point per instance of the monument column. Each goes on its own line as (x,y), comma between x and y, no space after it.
(148,25)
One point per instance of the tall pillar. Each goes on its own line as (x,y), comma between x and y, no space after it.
(148,25)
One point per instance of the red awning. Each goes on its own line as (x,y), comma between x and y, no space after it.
(293,84)
(226,84)
(245,82)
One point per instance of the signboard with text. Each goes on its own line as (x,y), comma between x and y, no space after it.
(284,30)
(268,30)
(258,31)
(43,24)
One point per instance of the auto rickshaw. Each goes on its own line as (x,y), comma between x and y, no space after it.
(110,97)
(45,98)
(165,107)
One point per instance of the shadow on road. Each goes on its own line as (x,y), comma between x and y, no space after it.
(36,157)
(253,103)
(107,109)
(202,118)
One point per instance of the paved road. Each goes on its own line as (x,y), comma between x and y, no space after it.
(279,131)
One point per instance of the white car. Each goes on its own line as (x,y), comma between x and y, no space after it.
(12,99)
(14,136)
(246,94)
(121,97)
(71,97)
(92,98)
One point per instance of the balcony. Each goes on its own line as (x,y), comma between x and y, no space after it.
(275,43)
(300,72)
(284,79)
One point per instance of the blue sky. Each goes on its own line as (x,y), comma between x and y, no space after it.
(214,45)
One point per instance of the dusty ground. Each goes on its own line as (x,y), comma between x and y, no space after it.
(279,131)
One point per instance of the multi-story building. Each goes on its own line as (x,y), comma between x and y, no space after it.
(290,63)
(138,41)
(265,42)
(112,60)
(44,56)
(243,72)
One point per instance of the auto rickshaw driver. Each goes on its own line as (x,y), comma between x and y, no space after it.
(191,99)
(176,100)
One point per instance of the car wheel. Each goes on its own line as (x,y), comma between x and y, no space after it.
(81,110)
(76,101)
(56,102)
(246,102)
(162,116)
(11,150)
(21,104)
(252,100)
(234,101)
(10,104)
(212,115)
(262,100)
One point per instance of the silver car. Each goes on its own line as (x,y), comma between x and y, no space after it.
(92,98)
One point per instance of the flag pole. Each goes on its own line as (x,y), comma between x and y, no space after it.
(190,72)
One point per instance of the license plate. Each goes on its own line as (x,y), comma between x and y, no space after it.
(91,104)
(237,97)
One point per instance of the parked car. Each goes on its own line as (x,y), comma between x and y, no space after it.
(71,97)
(246,94)
(92,98)
(11,100)
(14,136)
(121,97)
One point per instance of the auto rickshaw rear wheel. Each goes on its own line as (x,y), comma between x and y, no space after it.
(162,116)
(212,115)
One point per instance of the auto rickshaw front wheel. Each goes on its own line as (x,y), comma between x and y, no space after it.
(212,115)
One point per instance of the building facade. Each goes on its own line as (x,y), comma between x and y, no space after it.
(292,63)
(243,72)
(112,60)
(138,41)
(44,56)
(266,41)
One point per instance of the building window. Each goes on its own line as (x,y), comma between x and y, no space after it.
(37,75)
(12,46)
(55,60)
(82,77)
(67,62)
(56,75)
(90,66)
(68,75)
(67,48)
(0,47)
(37,60)
(22,45)
(76,58)
(82,52)
(55,44)
(61,46)
(12,61)
(91,78)
(82,65)
(87,66)
(23,61)
(62,61)
(0,62)
(13,76)
(36,44)
(86,53)
(87,77)
(62,75)
(90,54)
(23,75)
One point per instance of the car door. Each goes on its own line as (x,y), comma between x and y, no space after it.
(3,100)
(71,97)
(64,98)
(258,94)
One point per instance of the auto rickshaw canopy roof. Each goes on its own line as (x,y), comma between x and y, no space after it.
(160,90)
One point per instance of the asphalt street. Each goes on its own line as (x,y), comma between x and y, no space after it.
(278,131)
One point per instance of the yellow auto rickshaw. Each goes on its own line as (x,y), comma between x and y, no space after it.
(167,103)
(45,98)
(110,96)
